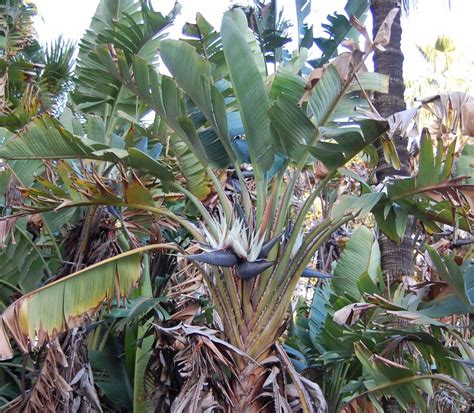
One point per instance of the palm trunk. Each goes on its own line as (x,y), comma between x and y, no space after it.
(397,260)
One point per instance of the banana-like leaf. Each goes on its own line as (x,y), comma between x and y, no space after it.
(69,301)
(207,42)
(132,27)
(159,92)
(395,376)
(143,352)
(460,279)
(338,150)
(369,81)
(23,265)
(465,163)
(361,255)
(251,96)
(303,8)
(431,195)
(110,374)
(215,152)
(325,95)
(197,180)
(294,133)
(46,138)
(357,205)
(193,74)
(318,313)
(288,83)
(352,99)
(239,18)
(95,128)
(291,128)
(431,170)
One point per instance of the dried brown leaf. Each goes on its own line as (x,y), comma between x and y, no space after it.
(351,313)
(50,388)
(383,35)
(453,111)
(6,351)
(345,64)
(313,79)
(386,362)
(307,402)
(359,26)
(359,405)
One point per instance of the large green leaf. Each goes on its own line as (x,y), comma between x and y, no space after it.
(193,74)
(190,71)
(54,308)
(318,313)
(251,95)
(159,92)
(459,279)
(361,255)
(291,128)
(197,180)
(110,374)
(207,42)
(288,83)
(325,95)
(399,381)
(431,196)
(293,131)
(145,348)
(239,18)
(132,27)
(468,272)
(23,265)
(373,81)
(46,138)
(465,163)
(339,149)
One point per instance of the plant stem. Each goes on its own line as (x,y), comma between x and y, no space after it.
(196,202)
(294,235)
(260,186)
(246,201)
(53,240)
(221,194)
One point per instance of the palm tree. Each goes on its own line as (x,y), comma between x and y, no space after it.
(397,259)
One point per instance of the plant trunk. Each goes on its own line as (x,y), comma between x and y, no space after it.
(248,386)
(397,260)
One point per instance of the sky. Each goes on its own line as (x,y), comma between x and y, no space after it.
(423,24)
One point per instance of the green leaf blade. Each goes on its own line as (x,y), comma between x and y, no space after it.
(251,95)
